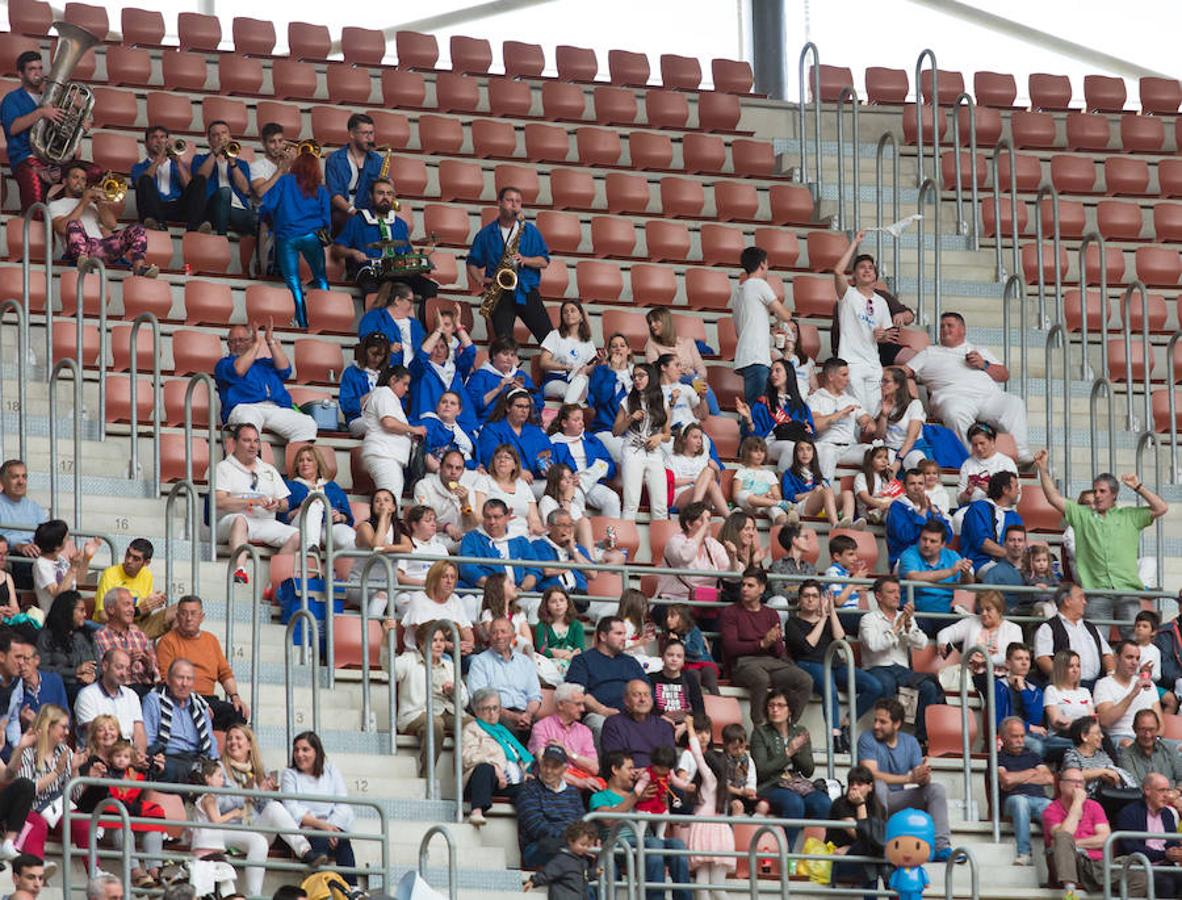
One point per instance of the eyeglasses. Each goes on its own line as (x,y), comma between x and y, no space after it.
(777,704)
(494,708)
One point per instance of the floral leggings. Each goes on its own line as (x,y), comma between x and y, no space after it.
(130,242)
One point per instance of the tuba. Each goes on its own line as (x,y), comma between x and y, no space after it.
(52,142)
(504,280)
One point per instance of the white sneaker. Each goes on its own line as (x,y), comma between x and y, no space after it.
(1023,859)
(8,851)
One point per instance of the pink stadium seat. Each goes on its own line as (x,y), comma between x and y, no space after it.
(1169,177)
(456,93)
(523,178)
(318,362)
(994,89)
(1158,313)
(141,28)
(614,105)
(492,139)
(782,246)
(68,294)
(183,71)
(650,150)
(1167,222)
(626,193)
(627,68)
(265,301)
(727,338)
(792,204)
(293,80)
(92,18)
(731,76)
(159,252)
(128,66)
(612,236)
(718,112)
(119,399)
(253,37)
(1158,265)
(11,46)
(945,730)
(331,312)
(886,86)
(1087,131)
(600,281)
(239,74)
(666,241)
(753,158)
(1125,175)
(1160,96)
(472,56)
(146,295)
(329,124)
(563,102)
(390,128)
(65,339)
(834,79)
(1142,134)
(349,85)
(1072,218)
(683,73)
(1073,174)
(1072,312)
(724,431)
(117,152)
(523,60)
(910,131)
(653,285)
(416,50)
(16,244)
(703,153)
(990,217)
(721,245)
(988,122)
(1051,93)
(1118,220)
(1114,264)
(121,349)
(232,112)
(199,32)
(546,143)
(555,280)
(460,180)
(1119,365)
(576,64)
(630,324)
(1030,262)
(666,109)
(362,46)
(707,288)
(597,146)
(448,223)
(951,85)
(735,201)
(825,249)
(30,17)
(1029,174)
(174,404)
(1103,93)
(681,198)
(284,114)
(967,169)
(814,296)
(440,135)
(206,254)
(575,189)
(1032,129)
(114,108)
(410,176)
(564,231)
(400,89)
(308,42)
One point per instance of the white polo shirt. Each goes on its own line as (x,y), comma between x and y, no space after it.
(943,371)
(841,431)
(858,316)
(381,403)
(262,481)
(93,701)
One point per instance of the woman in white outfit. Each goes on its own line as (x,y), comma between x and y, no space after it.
(382,532)
(504,482)
(310,773)
(594,462)
(310,476)
(643,423)
(900,422)
(687,406)
(568,355)
(387,445)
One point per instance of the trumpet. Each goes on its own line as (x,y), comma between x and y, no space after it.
(113,186)
(177,148)
(232,150)
(309,146)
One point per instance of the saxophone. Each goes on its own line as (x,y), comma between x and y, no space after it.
(384,171)
(505,278)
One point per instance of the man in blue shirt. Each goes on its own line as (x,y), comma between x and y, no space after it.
(18,508)
(250,385)
(227,184)
(492,542)
(165,189)
(511,674)
(604,671)
(931,561)
(349,172)
(531,258)
(985,523)
(559,545)
(19,112)
(379,222)
(179,726)
(908,514)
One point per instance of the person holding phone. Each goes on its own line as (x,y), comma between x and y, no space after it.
(1124,693)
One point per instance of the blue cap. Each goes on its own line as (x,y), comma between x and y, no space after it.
(911,823)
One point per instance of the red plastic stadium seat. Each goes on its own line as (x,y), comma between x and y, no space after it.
(1072,218)
(448,223)
(318,362)
(546,143)
(400,89)
(1167,222)
(886,86)
(627,193)
(114,108)
(141,28)
(627,68)
(1051,93)
(362,46)
(1032,129)
(1142,134)
(1073,174)
(172,468)
(792,204)
(951,85)
(206,253)
(331,312)
(731,76)
(563,231)
(92,18)
(1124,175)
(682,198)
(470,55)
(1119,366)
(555,280)
(1029,174)
(735,201)
(1114,264)
(650,150)
(576,64)
(174,404)
(781,245)
(141,295)
(410,176)
(232,112)
(721,244)
(1072,312)
(727,385)
(1087,131)
(1160,96)
(1119,220)
(68,294)
(910,130)
(265,301)
(119,399)
(329,124)
(1158,265)
(461,181)
(117,152)
(521,177)
(653,285)
(198,32)
(348,643)
(612,236)
(825,249)
(833,79)
(1169,177)
(285,114)
(597,146)
(121,349)
(128,66)
(727,338)
(253,37)
(630,324)
(293,80)
(456,93)
(30,17)
(666,241)
(65,343)
(1158,312)
(490,139)
(523,60)
(753,158)
(183,71)
(1104,93)
(575,189)
(441,135)
(707,288)
(349,85)
(601,281)
(666,109)
(1030,262)
(814,296)
(994,89)
(765,845)
(703,153)
(159,252)
(563,102)
(308,42)
(11,46)
(239,74)
(16,243)
(946,731)
(683,73)
(415,50)
(718,112)
(614,105)
(990,217)
(967,169)
(988,122)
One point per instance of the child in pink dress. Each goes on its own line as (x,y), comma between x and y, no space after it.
(706,834)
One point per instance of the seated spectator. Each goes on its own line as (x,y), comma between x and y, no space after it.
(492,541)
(383,532)
(166,190)
(1075,829)
(512,675)
(875,486)
(740,780)
(250,497)
(686,405)
(1107,538)
(562,492)
(53,569)
(450,492)
(1039,569)
(227,184)
(151,611)
(66,646)
(803,484)
(310,475)
(1019,698)
(984,461)
(109,695)
(568,355)
(753,649)
(1064,700)
(450,695)
(988,628)
(1145,627)
(783,757)
(931,561)
(888,634)
(611,381)
(18,508)
(907,515)
(559,544)
(934,488)
(509,425)
(699,659)
(861,808)
(505,480)
(370,357)
(740,538)
(637,731)
(392,316)
(963,383)
(40,688)
(588,457)
(901,422)
(546,806)
(677,694)
(203,651)
(250,385)
(1103,778)
(844,562)
(1124,693)
(1023,779)
(839,419)
(311,774)
(558,636)
(421,529)
(693,548)
(663,340)
(493,759)
(29,876)
(500,602)
(795,541)
(437,366)
(1148,754)
(445,433)
(641,631)
(896,760)
(1152,813)
(1069,630)
(779,416)
(389,436)
(43,757)
(604,671)
(88,224)
(756,489)
(562,728)
(438,600)
(695,471)
(122,633)
(502,374)
(986,522)
(178,725)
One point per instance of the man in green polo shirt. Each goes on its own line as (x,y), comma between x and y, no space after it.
(1107,539)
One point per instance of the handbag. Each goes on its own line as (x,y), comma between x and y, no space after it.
(791,431)
(798,784)
(416,467)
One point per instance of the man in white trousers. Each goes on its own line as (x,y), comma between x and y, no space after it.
(864,319)
(839,419)
(250,385)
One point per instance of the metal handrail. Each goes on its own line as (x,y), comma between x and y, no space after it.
(1049,190)
(367,715)
(815,186)
(310,500)
(26,283)
(453,880)
(990,728)
(190,492)
(1151,437)
(1102,385)
(1147,360)
(453,635)
(961,226)
(1172,369)
(1107,859)
(116,806)
(94,264)
(919,172)
(1085,370)
(886,138)
(211,388)
(1058,331)
(256,630)
(1004,143)
(840,645)
(22,362)
(310,627)
(145,318)
(753,854)
(1015,289)
(1137,859)
(54,375)
(929,188)
(962,855)
(850,95)
(614,843)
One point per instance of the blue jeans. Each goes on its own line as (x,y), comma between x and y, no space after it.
(288,252)
(1020,809)
(224,216)
(754,381)
(867,689)
(788,804)
(711,399)
(655,864)
(893,677)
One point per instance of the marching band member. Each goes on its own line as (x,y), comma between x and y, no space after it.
(89,225)
(19,112)
(165,188)
(274,163)
(227,184)
(350,171)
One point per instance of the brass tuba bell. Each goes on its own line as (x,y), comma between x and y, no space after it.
(113,186)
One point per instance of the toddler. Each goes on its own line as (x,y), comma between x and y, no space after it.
(569,875)
(756,488)
(741,778)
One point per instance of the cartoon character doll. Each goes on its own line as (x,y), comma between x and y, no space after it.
(910,841)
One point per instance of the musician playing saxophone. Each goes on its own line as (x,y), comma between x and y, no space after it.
(531,258)
(227,184)
(19,112)
(378,222)
(350,171)
(89,224)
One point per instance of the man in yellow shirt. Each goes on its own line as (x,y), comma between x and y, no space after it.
(152,616)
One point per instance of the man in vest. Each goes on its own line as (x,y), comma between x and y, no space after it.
(179,726)
(1068,630)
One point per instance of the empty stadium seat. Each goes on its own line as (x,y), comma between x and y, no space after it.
(318,362)
(65,337)
(1169,177)
(1158,265)
(331,312)
(946,730)
(791,204)
(116,152)
(522,60)
(597,146)
(555,280)
(400,89)
(625,192)
(1073,174)
(128,66)
(1125,175)
(967,169)
(329,124)
(910,131)
(951,85)
(239,74)
(196,31)
(1072,312)
(987,122)
(990,217)
(1032,129)
(416,50)
(461,181)
(1087,131)
(684,73)
(1160,96)
(994,89)
(523,178)
(612,236)
(825,249)
(491,139)
(781,245)
(886,86)
(92,18)
(142,295)
(1167,222)
(410,176)
(1051,93)
(546,143)
(1072,218)
(293,80)
(1114,264)
(183,71)
(349,85)
(253,37)
(727,385)
(666,241)
(653,285)
(447,223)
(472,56)
(114,108)
(1157,312)
(1142,134)
(721,244)
(753,158)
(563,102)
(362,46)
(308,42)
(120,342)
(575,189)
(1029,172)
(732,76)
(718,112)
(601,281)
(576,64)
(703,153)
(1118,220)
(1030,262)
(1104,93)
(736,201)
(455,92)
(814,296)
(707,288)
(206,254)
(666,109)
(681,198)
(1119,366)
(441,135)
(628,68)
(833,80)
(650,150)
(31,17)
(614,105)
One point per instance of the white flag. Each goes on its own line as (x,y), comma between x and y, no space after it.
(897,228)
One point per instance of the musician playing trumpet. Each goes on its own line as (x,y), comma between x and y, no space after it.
(350,171)
(532,256)
(89,224)
(19,112)
(227,183)
(165,188)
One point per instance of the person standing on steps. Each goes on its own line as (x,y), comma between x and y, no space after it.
(750,305)
(865,320)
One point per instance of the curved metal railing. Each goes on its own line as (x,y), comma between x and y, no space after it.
(840,645)
(848,94)
(1057,336)
(928,190)
(76,425)
(1049,191)
(26,276)
(134,469)
(1016,262)
(22,376)
(1172,400)
(815,185)
(1146,438)
(1102,385)
(453,880)
(920,176)
(256,631)
(1085,370)
(989,726)
(963,226)
(1015,289)
(85,267)
(211,388)
(1147,360)
(190,492)
(312,630)
(962,855)
(887,138)
(1132,859)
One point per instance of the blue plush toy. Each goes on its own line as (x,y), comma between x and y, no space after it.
(910,840)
